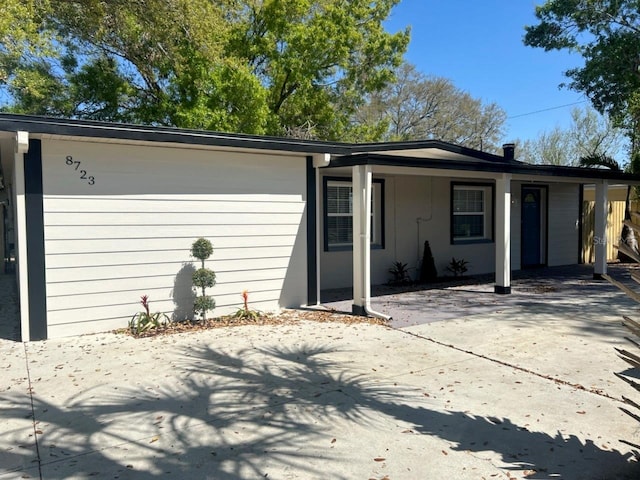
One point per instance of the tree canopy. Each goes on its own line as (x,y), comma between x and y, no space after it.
(418,106)
(253,66)
(590,135)
(606,33)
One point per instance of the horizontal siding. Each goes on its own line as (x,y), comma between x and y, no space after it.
(516,225)
(81,246)
(158,282)
(130,234)
(75,232)
(225,294)
(105,259)
(187,218)
(564,212)
(76,274)
(192,204)
(120,312)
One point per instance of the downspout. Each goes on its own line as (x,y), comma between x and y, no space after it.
(364,176)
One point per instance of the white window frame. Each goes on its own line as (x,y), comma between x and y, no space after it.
(486,213)
(377,202)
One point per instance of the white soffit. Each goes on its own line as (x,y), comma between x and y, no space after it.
(430,153)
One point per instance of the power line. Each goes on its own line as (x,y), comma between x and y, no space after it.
(546,109)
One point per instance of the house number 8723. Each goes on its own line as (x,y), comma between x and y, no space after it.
(75,164)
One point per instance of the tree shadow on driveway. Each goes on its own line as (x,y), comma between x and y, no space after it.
(271,412)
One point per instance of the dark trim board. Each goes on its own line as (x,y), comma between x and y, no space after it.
(35,241)
(312,237)
(93,129)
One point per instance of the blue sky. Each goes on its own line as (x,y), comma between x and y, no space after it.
(477,44)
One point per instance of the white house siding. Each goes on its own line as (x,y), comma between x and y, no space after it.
(336,267)
(564,214)
(417,208)
(516,226)
(481,256)
(130,233)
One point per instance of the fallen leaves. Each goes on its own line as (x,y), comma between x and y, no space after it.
(286,317)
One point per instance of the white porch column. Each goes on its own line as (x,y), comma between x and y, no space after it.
(503,234)
(319,160)
(19,229)
(361,206)
(600,230)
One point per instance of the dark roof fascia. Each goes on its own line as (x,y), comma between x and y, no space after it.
(428,144)
(343,152)
(517,168)
(401,161)
(121,131)
(574,172)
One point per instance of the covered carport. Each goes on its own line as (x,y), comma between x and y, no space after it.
(437,159)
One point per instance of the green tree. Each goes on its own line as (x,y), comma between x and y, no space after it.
(589,135)
(606,33)
(418,106)
(253,66)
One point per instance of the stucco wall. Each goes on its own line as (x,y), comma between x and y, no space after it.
(130,232)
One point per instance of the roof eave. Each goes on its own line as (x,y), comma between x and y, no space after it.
(89,129)
(484,166)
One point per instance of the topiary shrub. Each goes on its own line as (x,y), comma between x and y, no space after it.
(428,271)
(203,278)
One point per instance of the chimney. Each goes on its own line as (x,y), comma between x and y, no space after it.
(509,150)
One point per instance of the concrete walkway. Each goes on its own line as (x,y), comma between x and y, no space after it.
(524,391)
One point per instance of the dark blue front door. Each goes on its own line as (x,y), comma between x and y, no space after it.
(531,226)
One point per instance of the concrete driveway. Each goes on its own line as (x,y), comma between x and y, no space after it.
(524,389)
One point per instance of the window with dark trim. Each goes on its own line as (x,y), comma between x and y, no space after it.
(472,212)
(337,193)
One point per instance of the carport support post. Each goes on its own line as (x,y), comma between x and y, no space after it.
(361,208)
(503,234)
(600,230)
(20,229)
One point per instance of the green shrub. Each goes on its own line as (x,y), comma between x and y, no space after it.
(400,274)
(203,278)
(201,249)
(245,313)
(458,267)
(144,321)
(428,272)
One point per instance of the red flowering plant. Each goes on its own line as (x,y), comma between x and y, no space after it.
(245,313)
(144,321)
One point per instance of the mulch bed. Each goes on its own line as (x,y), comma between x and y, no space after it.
(286,317)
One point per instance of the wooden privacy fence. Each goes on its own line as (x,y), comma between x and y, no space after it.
(615,218)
